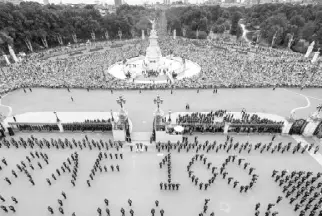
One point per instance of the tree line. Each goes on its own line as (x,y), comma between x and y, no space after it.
(198,21)
(31,26)
(292,24)
(283,25)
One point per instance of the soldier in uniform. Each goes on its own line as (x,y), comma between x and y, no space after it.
(50,210)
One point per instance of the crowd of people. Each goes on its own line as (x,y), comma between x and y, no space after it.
(87,126)
(43,127)
(223,65)
(215,121)
(200,118)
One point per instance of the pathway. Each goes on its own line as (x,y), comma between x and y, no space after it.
(245,31)
(141,106)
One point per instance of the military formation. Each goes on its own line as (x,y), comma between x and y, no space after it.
(44,127)
(86,143)
(303,189)
(98,167)
(168,185)
(229,146)
(97,125)
(222,171)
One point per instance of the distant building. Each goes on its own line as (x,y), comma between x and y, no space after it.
(46,2)
(15,2)
(166,1)
(118,3)
(186,2)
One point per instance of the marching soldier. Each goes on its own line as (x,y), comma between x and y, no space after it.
(50,210)
(99,211)
(161,212)
(14,200)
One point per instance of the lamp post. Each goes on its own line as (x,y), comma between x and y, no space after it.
(112,116)
(57,119)
(319,108)
(121,100)
(158,100)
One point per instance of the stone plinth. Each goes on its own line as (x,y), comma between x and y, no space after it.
(153,52)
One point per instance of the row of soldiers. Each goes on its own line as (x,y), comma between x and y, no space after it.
(33,142)
(139,147)
(229,146)
(45,127)
(169,184)
(87,127)
(303,189)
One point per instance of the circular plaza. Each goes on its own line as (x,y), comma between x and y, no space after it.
(153,68)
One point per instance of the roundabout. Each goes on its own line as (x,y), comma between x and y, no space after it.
(133,70)
(153,67)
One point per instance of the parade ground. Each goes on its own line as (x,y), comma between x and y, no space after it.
(139,178)
(140,175)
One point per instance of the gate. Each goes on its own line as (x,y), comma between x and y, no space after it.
(298,127)
(318,131)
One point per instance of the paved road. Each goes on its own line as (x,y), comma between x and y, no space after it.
(141,106)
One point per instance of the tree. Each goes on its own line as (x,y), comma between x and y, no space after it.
(275,25)
(298,21)
(6,40)
(308,31)
(239,32)
(235,23)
